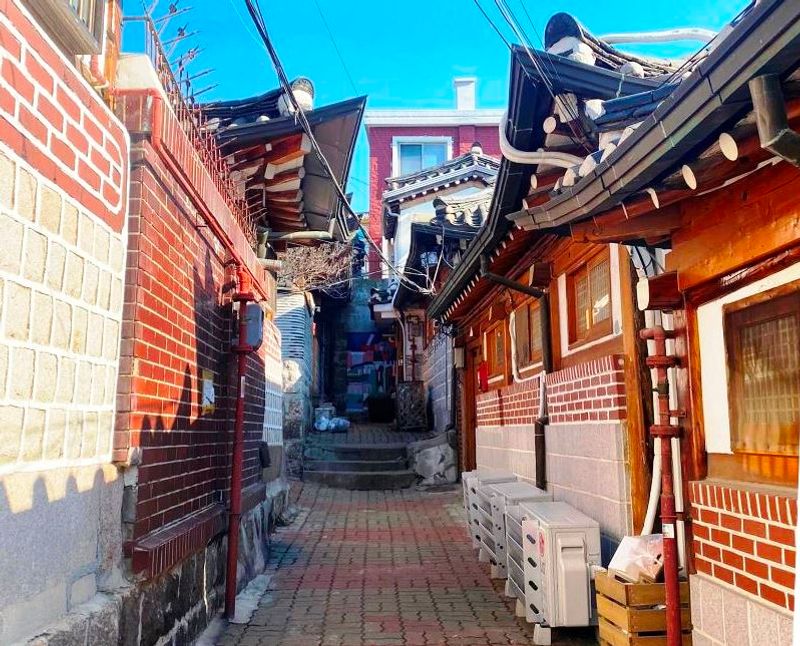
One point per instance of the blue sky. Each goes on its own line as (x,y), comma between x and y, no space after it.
(401,54)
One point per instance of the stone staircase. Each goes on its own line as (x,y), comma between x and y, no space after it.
(369,457)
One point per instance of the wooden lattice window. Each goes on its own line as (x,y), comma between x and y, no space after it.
(762,337)
(528,334)
(589,299)
(496,349)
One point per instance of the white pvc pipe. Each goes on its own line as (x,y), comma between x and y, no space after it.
(560,160)
(664,36)
(655,483)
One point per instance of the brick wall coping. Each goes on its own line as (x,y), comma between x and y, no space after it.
(164,548)
(599,366)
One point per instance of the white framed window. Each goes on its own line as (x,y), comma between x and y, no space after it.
(586,317)
(413,154)
(748,368)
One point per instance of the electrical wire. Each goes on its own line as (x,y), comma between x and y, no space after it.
(335,47)
(258,19)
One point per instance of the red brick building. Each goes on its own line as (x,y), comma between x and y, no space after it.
(405,141)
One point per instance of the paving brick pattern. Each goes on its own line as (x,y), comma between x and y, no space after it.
(370,568)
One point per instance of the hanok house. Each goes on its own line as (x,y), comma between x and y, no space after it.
(544,326)
(430,217)
(294,203)
(705,167)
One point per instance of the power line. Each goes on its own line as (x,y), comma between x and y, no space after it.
(335,46)
(258,19)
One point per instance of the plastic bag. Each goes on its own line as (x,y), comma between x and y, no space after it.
(639,559)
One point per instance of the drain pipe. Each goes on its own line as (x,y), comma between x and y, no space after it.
(771,118)
(661,362)
(243,296)
(539,446)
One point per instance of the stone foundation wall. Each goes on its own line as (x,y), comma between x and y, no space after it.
(177,606)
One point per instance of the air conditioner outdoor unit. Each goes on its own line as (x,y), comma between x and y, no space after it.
(561,548)
(492,502)
(471,480)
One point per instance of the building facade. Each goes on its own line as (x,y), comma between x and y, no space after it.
(634,203)
(403,142)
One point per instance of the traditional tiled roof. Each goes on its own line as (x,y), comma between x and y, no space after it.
(472,168)
(649,141)
(268,154)
(463,211)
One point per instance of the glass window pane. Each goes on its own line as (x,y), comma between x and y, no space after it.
(433,155)
(582,311)
(536,330)
(600,288)
(500,351)
(522,336)
(766,378)
(410,158)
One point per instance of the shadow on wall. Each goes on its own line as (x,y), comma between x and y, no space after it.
(60,542)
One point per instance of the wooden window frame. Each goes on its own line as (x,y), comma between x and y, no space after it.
(495,370)
(603,328)
(533,358)
(752,465)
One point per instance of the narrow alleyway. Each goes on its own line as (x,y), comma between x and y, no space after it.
(370,568)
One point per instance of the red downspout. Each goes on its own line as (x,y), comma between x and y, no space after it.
(243,296)
(660,361)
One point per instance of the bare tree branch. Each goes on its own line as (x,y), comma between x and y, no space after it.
(307,268)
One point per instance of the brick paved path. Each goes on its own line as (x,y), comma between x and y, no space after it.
(370,568)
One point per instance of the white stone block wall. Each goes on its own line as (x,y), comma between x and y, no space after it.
(722,614)
(587,467)
(61,273)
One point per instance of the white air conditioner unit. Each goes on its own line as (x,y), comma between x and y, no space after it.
(560,548)
(492,502)
(471,480)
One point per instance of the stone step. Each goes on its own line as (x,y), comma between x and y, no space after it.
(360,452)
(397,464)
(363,480)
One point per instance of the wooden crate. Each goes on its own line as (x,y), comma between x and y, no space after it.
(628,613)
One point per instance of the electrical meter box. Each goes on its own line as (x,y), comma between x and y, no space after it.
(561,547)
(254,316)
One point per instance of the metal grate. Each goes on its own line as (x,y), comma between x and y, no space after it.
(179,93)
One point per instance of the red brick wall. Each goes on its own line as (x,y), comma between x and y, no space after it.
(514,404)
(177,321)
(380,160)
(746,539)
(593,391)
(53,119)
